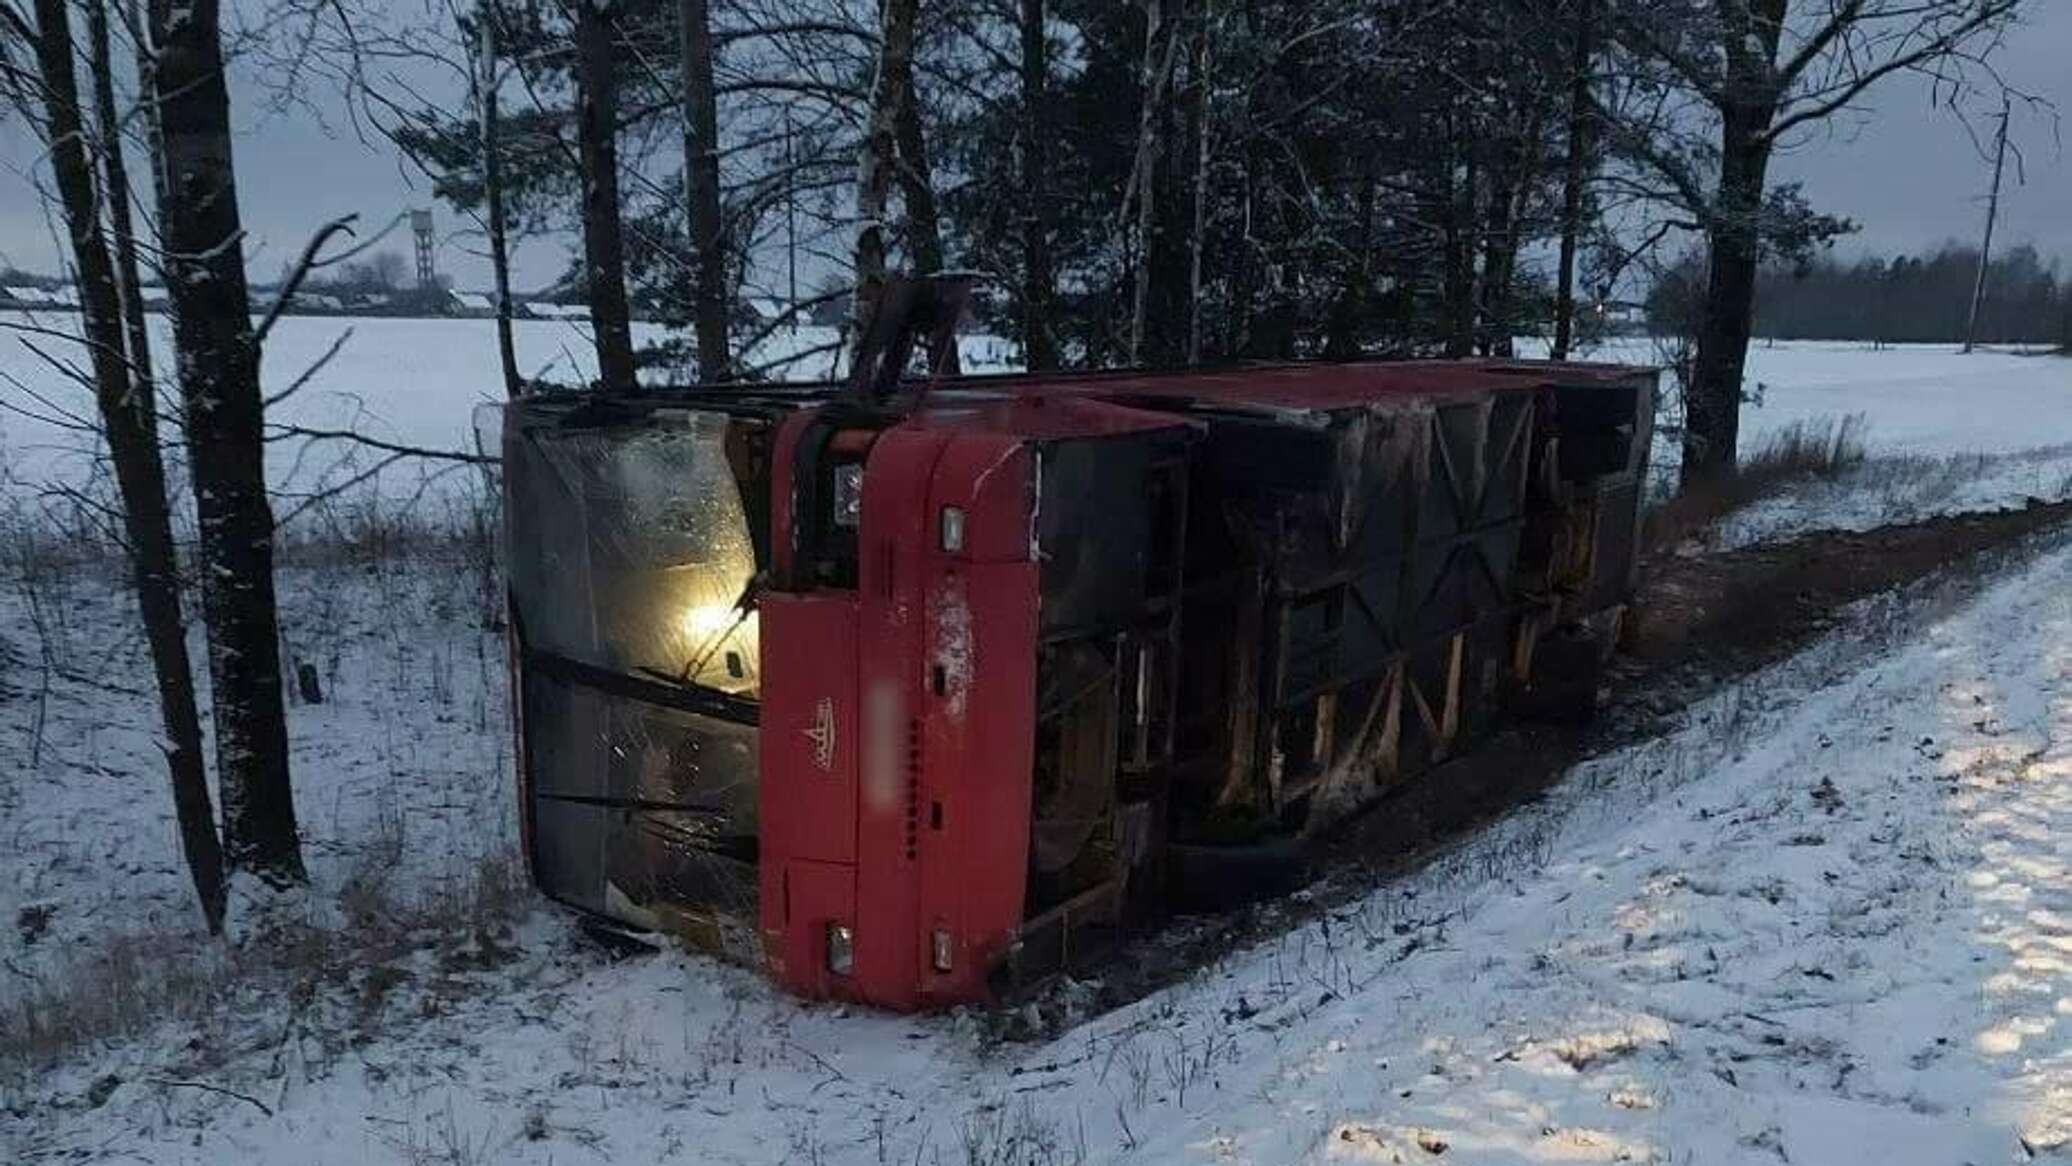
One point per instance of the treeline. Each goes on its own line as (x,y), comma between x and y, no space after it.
(1905,299)
(1164,182)
(1917,299)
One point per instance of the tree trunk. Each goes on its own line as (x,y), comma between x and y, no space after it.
(115,183)
(1574,174)
(1459,229)
(1712,401)
(604,247)
(1039,342)
(1516,175)
(1497,227)
(701,188)
(1342,330)
(1985,250)
(493,198)
(1143,183)
(123,393)
(917,192)
(1197,231)
(879,159)
(219,385)
(1170,304)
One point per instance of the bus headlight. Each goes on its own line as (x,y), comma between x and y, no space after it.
(841,949)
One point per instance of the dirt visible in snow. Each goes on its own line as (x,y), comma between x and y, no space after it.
(1736,610)
(1704,620)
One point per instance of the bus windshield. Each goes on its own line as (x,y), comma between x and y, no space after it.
(631,550)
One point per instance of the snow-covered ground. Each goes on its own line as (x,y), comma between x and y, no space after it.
(1831,911)
(404,768)
(1827,917)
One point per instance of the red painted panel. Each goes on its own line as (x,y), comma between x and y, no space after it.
(810,897)
(806,800)
(978,754)
(808,731)
(1041,410)
(978,751)
(893,537)
(1304,386)
(987,476)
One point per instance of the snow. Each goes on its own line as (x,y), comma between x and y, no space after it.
(1945,432)
(547,311)
(1830,909)
(407,759)
(415,382)
(1918,399)
(1900,488)
(1996,426)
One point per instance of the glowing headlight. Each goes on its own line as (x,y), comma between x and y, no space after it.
(702,621)
(841,949)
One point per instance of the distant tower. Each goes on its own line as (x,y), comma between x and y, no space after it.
(427,271)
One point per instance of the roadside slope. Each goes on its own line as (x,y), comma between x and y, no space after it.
(1831,909)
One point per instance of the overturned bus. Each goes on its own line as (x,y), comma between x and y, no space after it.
(907,696)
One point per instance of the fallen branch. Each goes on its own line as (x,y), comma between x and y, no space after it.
(203,1085)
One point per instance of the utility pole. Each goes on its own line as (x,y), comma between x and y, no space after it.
(1985,251)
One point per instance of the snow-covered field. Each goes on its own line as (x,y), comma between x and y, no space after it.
(1944,432)
(1826,917)
(1947,432)
(1919,399)
(406,381)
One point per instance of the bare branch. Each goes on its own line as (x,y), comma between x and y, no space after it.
(310,373)
(278,432)
(303,266)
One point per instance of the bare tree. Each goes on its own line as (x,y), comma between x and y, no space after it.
(1760,71)
(126,398)
(1985,248)
(201,239)
(115,193)
(387,269)
(917,190)
(878,161)
(487,81)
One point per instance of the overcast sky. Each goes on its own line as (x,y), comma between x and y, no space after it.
(1906,171)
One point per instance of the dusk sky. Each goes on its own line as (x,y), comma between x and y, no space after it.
(1903,169)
